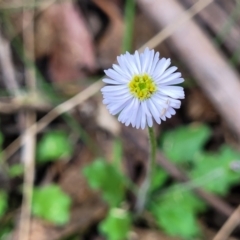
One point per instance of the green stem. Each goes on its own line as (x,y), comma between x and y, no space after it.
(129,15)
(145,187)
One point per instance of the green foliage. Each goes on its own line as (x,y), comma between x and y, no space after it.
(3,203)
(51,204)
(211,171)
(116,225)
(158,179)
(5,232)
(103,176)
(214,170)
(16,170)
(180,145)
(175,212)
(54,145)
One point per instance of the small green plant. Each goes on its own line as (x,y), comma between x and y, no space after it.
(51,204)
(180,208)
(110,181)
(103,176)
(117,224)
(158,179)
(180,145)
(174,206)
(53,146)
(215,170)
(208,170)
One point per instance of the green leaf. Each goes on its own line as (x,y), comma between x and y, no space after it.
(5,232)
(214,170)
(180,145)
(54,145)
(116,225)
(158,179)
(3,203)
(16,170)
(51,204)
(175,212)
(105,177)
(229,156)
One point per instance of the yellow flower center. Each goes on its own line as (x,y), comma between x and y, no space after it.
(142,86)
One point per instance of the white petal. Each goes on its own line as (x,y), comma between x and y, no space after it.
(134,112)
(132,116)
(154,111)
(114,88)
(116,76)
(168,72)
(145,108)
(144,58)
(169,78)
(127,62)
(116,108)
(172,82)
(162,65)
(137,61)
(150,61)
(131,63)
(171,111)
(143,120)
(125,114)
(175,103)
(111,81)
(167,114)
(149,121)
(121,72)
(123,65)
(172,91)
(139,117)
(155,61)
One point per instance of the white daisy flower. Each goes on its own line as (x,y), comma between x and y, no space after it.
(140,89)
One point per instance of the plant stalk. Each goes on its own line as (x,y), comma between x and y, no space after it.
(145,187)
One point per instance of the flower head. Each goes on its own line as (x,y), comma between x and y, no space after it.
(140,89)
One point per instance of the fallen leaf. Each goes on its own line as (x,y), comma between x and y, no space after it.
(110,43)
(62,34)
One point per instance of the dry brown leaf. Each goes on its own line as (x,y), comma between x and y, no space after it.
(62,34)
(110,44)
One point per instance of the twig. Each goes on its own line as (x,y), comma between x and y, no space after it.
(169,29)
(19,104)
(28,138)
(7,67)
(229,225)
(28,158)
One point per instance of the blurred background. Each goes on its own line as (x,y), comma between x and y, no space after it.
(69,170)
